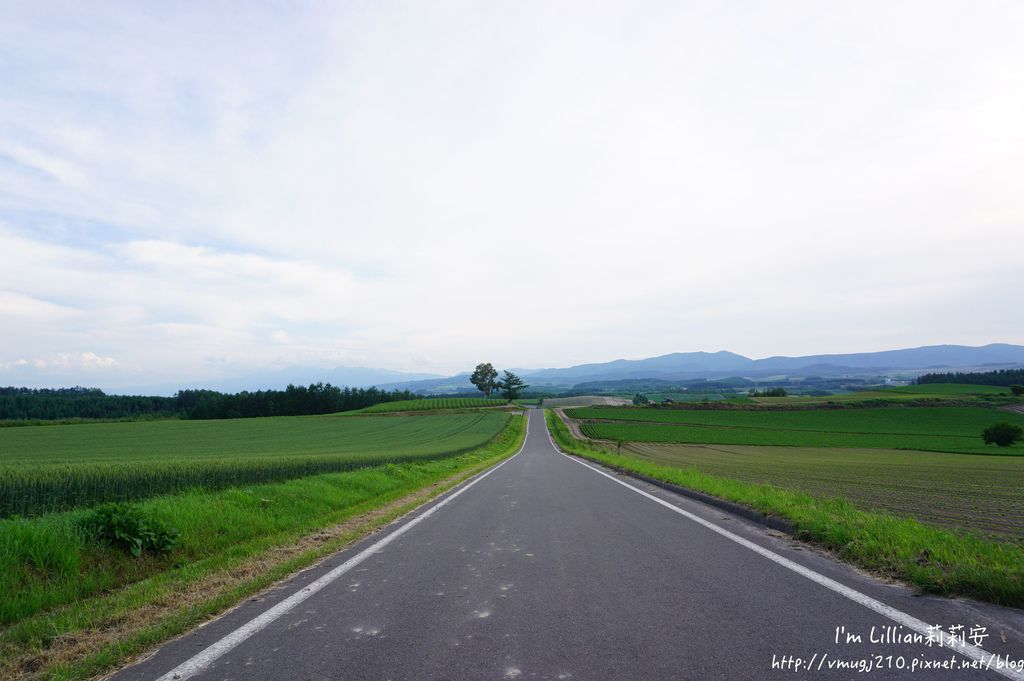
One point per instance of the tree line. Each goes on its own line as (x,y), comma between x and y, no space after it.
(1007,377)
(92,403)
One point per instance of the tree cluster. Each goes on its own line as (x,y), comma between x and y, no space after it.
(485,378)
(1002,434)
(769,392)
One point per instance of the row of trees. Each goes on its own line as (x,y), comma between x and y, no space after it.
(1007,377)
(318,398)
(85,403)
(92,403)
(485,378)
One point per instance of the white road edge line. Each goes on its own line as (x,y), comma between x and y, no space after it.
(979,655)
(206,657)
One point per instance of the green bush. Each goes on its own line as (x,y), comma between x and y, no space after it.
(129,528)
(1002,434)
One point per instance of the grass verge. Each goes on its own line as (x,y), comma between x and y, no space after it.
(234,543)
(933,559)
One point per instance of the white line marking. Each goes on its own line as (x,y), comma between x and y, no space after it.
(205,658)
(980,655)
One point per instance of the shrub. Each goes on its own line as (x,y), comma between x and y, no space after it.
(1017,389)
(1002,434)
(129,528)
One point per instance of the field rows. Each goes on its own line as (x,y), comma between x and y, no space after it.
(983,494)
(431,403)
(943,429)
(50,468)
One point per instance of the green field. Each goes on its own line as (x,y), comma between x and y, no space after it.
(980,493)
(942,429)
(692,397)
(48,468)
(254,500)
(582,401)
(951,389)
(431,403)
(952,392)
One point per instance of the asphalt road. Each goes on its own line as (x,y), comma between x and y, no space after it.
(547,569)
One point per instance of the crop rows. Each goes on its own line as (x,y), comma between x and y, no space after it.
(985,494)
(943,429)
(51,468)
(433,403)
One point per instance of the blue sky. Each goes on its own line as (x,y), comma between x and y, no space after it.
(190,191)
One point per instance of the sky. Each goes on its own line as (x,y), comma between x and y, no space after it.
(197,190)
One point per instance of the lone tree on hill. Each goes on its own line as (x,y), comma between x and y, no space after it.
(510,385)
(484,378)
(1002,434)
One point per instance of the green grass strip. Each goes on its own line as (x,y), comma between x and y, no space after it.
(933,559)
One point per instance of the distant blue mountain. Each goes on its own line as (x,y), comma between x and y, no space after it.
(723,364)
(679,366)
(665,366)
(354,377)
(937,356)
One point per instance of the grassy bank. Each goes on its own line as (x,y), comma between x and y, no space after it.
(60,595)
(934,559)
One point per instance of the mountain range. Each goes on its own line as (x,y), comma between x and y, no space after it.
(723,364)
(677,366)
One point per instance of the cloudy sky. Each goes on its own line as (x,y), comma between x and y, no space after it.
(196,190)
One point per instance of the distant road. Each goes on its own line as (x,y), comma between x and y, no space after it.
(550,568)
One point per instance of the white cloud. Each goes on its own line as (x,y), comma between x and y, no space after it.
(14,305)
(64,361)
(535,183)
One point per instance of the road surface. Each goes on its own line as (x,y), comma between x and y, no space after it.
(549,568)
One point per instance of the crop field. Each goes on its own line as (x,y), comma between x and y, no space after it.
(859,396)
(693,397)
(940,429)
(50,468)
(432,403)
(75,608)
(950,389)
(953,392)
(980,493)
(583,401)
